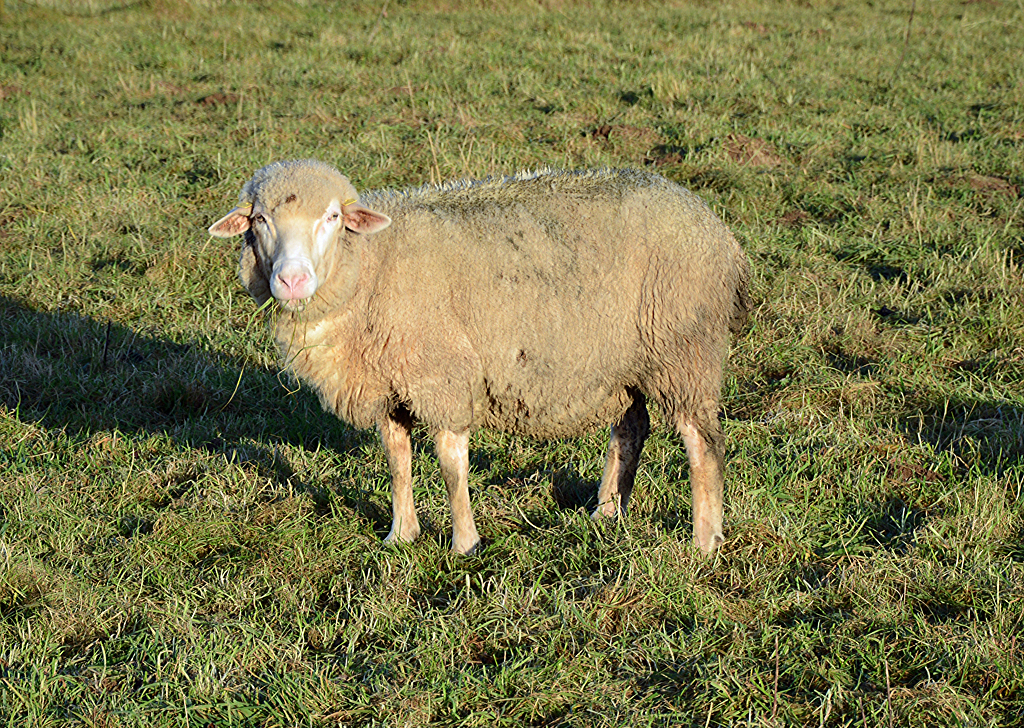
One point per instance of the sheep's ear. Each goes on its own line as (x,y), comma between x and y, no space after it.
(361,219)
(234,223)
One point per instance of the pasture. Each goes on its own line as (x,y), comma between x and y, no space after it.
(187,539)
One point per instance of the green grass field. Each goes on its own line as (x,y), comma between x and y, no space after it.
(188,540)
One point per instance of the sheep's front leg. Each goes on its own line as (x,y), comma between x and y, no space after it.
(453,456)
(395,432)
(705,447)
(624,447)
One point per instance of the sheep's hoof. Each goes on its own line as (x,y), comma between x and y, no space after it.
(709,545)
(466,549)
(606,511)
(403,535)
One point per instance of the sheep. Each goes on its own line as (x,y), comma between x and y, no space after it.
(548,304)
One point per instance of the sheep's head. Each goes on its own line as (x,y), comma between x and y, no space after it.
(292,214)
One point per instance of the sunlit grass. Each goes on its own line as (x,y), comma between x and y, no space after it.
(186,540)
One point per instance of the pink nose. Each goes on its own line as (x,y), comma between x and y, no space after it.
(293,285)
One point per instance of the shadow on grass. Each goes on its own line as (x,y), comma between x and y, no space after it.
(570,492)
(881,265)
(80,376)
(985,434)
(893,524)
(1014,547)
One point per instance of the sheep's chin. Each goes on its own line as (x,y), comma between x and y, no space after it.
(293,305)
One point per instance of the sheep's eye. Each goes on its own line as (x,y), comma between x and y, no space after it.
(333,216)
(259,219)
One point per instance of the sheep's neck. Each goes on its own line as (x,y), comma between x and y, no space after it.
(326,345)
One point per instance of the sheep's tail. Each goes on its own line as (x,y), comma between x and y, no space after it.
(741,302)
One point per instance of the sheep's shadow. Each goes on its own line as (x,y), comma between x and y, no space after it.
(81,376)
(571,485)
(568,488)
(572,492)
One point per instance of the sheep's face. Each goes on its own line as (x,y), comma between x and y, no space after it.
(294,214)
(292,243)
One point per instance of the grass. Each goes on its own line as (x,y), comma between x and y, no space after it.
(187,540)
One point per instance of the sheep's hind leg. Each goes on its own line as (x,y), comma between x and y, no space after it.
(453,456)
(624,448)
(395,432)
(705,447)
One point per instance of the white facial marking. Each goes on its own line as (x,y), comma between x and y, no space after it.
(325,228)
